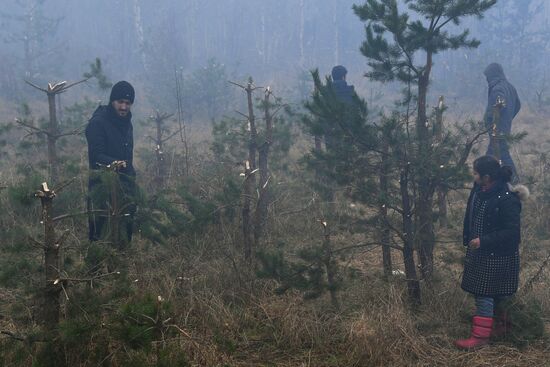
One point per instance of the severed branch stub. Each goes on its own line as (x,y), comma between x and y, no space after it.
(45,192)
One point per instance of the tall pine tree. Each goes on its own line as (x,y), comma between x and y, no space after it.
(401,42)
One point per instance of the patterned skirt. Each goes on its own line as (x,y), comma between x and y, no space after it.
(488,275)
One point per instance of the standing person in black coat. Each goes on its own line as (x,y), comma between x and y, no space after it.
(492,234)
(343,91)
(500,87)
(111,143)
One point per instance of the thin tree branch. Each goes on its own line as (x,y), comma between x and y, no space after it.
(242,114)
(243,87)
(70,215)
(73,84)
(12,335)
(366,244)
(37,129)
(171,135)
(36,86)
(89,280)
(65,184)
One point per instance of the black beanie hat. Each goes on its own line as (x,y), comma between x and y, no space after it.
(122,90)
(338,72)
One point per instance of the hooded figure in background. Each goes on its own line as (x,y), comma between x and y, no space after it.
(111,143)
(343,91)
(500,87)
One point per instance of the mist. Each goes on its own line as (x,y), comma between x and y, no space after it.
(276,42)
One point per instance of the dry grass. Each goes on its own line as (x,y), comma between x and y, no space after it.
(234,319)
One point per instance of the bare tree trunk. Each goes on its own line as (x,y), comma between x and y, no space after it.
(52,138)
(330,266)
(302,47)
(413,285)
(159,152)
(496,136)
(336,32)
(385,235)
(181,121)
(139,34)
(159,140)
(250,178)
(441,190)
(263,40)
(28,58)
(114,211)
(263,185)
(52,285)
(192,32)
(424,204)
(29,39)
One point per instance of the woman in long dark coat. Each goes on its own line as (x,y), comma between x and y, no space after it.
(492,236)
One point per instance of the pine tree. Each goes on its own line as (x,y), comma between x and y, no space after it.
(400,45)
(371,160)
(375,162)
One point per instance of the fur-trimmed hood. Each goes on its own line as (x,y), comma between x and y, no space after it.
(521,190)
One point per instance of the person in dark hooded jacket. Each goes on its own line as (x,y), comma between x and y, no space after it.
(343,91)
(109,134)
(500,87)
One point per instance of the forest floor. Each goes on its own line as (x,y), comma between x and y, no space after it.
(217,312)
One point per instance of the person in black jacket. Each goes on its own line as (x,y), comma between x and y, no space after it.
(343,91)
(492,234)
(344,94)
(110,144)
(500,87)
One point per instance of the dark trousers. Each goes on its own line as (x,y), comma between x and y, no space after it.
(505,156)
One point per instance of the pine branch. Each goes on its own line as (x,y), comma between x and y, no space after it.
(469,145)
(78,131)
(12,335)
(34,128)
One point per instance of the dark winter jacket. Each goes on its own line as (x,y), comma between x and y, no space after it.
(501,233)
(343,91)
(110,138)
(500,87)
(494,218)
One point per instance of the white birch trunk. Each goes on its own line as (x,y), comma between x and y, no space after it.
(139,34)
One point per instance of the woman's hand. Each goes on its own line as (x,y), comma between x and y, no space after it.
(475,243)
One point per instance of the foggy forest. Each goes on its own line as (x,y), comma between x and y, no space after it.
(274,183)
